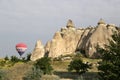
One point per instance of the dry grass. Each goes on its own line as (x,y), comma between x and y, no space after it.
(50,77)
(60,69)
(90,60)
(18,71)
(63,65)
(60,65)
(75,76)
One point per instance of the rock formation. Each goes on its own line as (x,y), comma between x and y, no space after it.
(64,42)
(55,48)
(38,51)
(99,37)
(70,24)
(70,39)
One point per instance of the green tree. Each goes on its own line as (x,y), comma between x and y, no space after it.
(45,65)
(78,65)
(110,65)
(28,57)
(6,58)
(15,59)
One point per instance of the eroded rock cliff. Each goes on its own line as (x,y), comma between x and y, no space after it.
(70,39)
(38,51)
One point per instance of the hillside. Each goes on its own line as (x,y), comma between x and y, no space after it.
(19,71)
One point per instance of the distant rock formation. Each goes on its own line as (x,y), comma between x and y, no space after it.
(94,37)
(38,51)
(70,39)
(55,47)
(101,21)
(70,24)
(64,42)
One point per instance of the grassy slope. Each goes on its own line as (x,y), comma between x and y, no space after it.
(60,69)
(18,71)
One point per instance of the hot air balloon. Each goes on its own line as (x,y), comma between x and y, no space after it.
(21,48)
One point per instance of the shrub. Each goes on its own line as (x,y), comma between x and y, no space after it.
(78,65)
(34,74)
(6,58)
(2,63)
(44,65)
(15,59)
(28,57)
(2,75)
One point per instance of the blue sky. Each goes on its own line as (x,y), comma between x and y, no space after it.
(31,20)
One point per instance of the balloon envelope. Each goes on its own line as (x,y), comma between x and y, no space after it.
(21,48)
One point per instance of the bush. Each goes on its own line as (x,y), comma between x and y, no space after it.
(6,58)
(77,56)
(44,65)
(78,65)
(28,57)
(2,75)
(63,57)
(35,74)
(15,59)
(2,63)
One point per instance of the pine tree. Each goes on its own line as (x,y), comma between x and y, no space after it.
(110,65)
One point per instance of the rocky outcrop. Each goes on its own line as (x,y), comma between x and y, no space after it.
(56,47)
(70,24)
(38,51)
(70,39)
(99,37)
(64,42)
